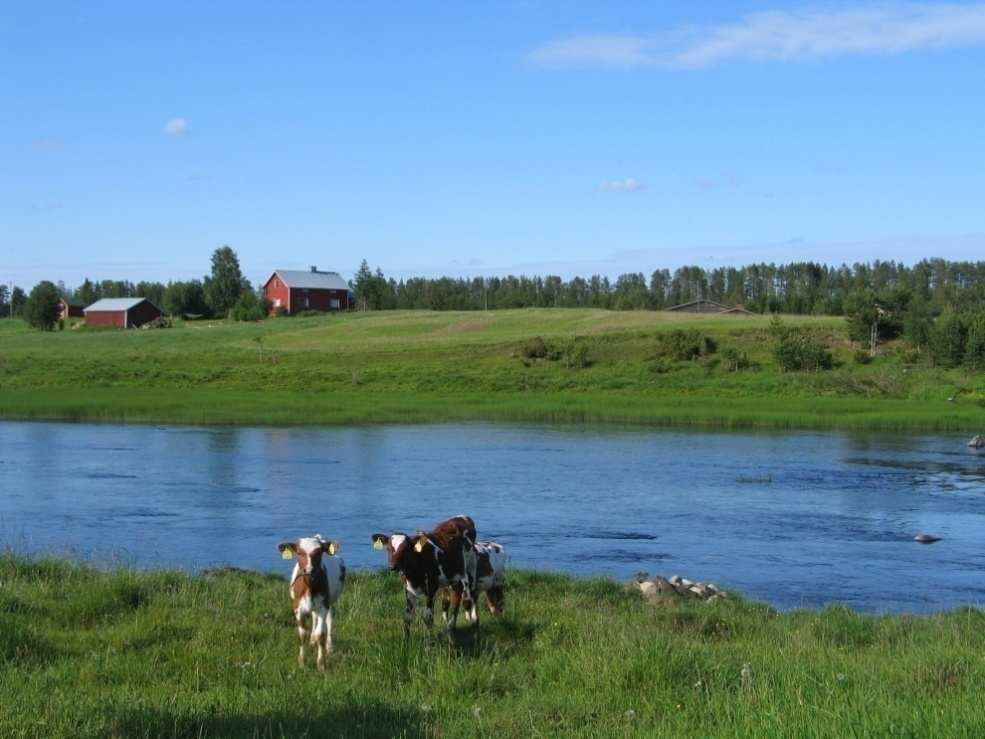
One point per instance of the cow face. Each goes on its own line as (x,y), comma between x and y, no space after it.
(308,552)
(394,545)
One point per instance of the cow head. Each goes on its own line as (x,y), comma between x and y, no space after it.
(399,547)
(308,552)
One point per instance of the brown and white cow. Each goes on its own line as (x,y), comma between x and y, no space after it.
(490,579)
(428,561)
(316,586)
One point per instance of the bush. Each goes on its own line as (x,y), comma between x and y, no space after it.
(250,307)
(686,345)
(796,352)
(736,360)
(948,337)
(535,348)
(41,306)
(575,356)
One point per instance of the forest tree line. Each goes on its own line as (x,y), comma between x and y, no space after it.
(795,288)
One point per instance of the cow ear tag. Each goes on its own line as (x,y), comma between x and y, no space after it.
(419,546)
(377,544)
(287,554)
(333,548)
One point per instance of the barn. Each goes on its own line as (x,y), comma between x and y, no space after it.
(121,312)
(701,305)
(294,290)
(69,309)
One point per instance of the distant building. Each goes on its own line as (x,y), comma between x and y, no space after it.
(69,309)
(121,312)
(294,290)
(701,305)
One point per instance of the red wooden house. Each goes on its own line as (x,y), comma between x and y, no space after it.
(295,290)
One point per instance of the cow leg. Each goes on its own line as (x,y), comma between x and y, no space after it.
(445,604)
(409,611)
(495,599)
(303,634)
(456,600)
(317,637)
(429,610)
(328,631)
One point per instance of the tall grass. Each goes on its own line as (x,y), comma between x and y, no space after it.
(124,654)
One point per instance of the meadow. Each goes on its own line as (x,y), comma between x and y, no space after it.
(121,653)
(419,366)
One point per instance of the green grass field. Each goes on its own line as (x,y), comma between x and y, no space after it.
(418,366)
(86,653)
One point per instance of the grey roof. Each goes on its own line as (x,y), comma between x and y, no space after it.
(115,304)
(699,301)
(308,280)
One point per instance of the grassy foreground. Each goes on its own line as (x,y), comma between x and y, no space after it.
(414,366)
(128,654)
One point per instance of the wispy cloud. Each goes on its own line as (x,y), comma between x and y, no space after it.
(629,184)
(782,35)
(175,127)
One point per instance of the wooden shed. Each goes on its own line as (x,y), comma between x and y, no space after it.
(701,305)
(294,290)
(121,312)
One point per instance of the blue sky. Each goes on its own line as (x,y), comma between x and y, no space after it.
(465,138)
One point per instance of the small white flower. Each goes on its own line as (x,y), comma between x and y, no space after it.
(425,708)
(476,711)
(841,677)
(630,713)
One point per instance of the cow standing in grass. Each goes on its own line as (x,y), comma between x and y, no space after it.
(442,557)
(316,586)
(490,579)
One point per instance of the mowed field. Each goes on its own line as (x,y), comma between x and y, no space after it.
(419,366)
(85,653)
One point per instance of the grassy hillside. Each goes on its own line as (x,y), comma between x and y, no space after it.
(125,654)
(422,366)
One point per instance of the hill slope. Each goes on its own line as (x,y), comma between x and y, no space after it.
(433,366)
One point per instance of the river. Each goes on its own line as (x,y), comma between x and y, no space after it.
(795,519)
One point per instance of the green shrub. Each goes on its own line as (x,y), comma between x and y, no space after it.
(948,337)
(686,345)
(735,360)
(41,307)
(535,348)
(250,307)
(796,352)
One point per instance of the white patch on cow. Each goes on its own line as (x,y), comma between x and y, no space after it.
(310,545)
(396,540)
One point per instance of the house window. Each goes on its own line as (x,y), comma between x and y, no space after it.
(307,304)
(335,303)
(276,302)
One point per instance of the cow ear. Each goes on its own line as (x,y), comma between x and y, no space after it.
(331,546)
(380,541)
(287,549)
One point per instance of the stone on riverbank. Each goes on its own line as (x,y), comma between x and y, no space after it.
(655,587)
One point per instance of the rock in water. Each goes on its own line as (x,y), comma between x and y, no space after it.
(926,538)
(977,441)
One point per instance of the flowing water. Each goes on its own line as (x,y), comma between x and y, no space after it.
(796,519)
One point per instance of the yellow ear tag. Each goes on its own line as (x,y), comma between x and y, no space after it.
(377,544)
(287,554)
(419,546)
(333,549)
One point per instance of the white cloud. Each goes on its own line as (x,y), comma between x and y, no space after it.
(782,35)
(175,127)
(630,184)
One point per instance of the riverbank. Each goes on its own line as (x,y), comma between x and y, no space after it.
(416,366)
(125,653)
